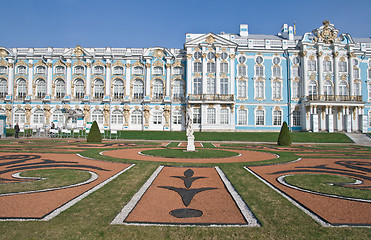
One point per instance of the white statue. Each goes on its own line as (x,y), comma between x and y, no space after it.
(190,136)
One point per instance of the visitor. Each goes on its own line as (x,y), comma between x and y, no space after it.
(53,126)
(16,130)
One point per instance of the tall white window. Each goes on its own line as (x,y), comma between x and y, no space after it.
(327,87)
(357,89)
(58,116)
(79,89)
(79,70)
(3,88)
(157,118)
(157,70)
(210,86)
(276,71)
(117,117)
(259,71)
(60,89)
(197,67)
(277,118)
(40,88)
(342,66)
(38,116)
(259,89)
(59,70)
(40,70)
(295,89)
(98,89)
(242,70)
(223,67)
(295,72)
(138,89)
(178,90)
(97,116)
(197,86)
(118,89)
(242,117)
(343,88)
(277,86)
(136,117)
(312,88)
(19,116)
(98,70)
(296,118)
(356,73)
(211,67)
(224,86)
(138,70)
(118,70)
(196,115)
(259,117)
(177,117)
(327,66)
(21,88)
(158,89)
(312,65)
(242,89)
(224,116)
(211,116)
(21,70)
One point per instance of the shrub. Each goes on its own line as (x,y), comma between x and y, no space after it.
(284,138)
(94,134)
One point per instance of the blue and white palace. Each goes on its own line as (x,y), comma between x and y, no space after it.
(320,81)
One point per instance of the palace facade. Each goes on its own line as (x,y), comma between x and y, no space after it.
(320,81)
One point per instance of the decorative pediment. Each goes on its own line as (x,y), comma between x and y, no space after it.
(22,63)
(138,63)
(177,64)
(79,63)
(78,52)
(3,63)
(118,63)
(3,53)
(40,63)
(59,63)
(211,39)
(98,63)
(327,33)
(158,64)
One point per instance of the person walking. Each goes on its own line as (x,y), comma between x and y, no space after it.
(16,130)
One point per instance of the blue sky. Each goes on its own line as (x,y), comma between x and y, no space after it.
(149,23)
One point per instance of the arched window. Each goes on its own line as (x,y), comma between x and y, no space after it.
(60,88)
(38,116)
(241,59)
(40,70)
(79,70)
(277,118)
(97,116)
(242,70)
(177,117)
(59,70)
(210,55)
(197,55)
(58,116)
(211,116)
(295,89)
(178,90)
(197,67)
(276,71)
(259,117)
(79,89)
(117,117)
(118,70)
(277,86)
(157,118)
(3,88)
(3,70)
(242,117)
(40,88)
(312,88)
(343,88)
(210,85)
(224,116)
(357,89)
(224,67)
(224,86)
(259,71)
(197,86)
(98,89)
(157,70)
(327,66)
(21,70)
(138,89)
(136,117)
(138,70)
(259,89)
(312,65)
(242,89)
(21,88)
(19,116)
(118,89)
(158,89)
(342,66)
(98,70)
(327,87)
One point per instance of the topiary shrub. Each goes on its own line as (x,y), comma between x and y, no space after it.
(284,138)
(94,134)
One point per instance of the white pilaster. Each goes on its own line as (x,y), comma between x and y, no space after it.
(128,79)
(233,75)
(148,78)
(304,76)
(108,77)
(49,77)
(348,117)
(204,72)
(168,78)
(330,120)
(189,74)
(336,73)
(217,74)
(88,77)
(69,78)
(320,74)
(30,77)
(351,76)
(10,77)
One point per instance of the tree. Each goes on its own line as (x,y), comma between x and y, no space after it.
(94,134)
(284,138)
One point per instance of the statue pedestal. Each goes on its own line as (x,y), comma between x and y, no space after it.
(191,144)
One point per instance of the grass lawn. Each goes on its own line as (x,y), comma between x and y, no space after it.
(180,153)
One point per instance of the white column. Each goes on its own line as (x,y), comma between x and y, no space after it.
(88,78)
(69,79)
(30,77)
(204,72)
(10,78)
(217,80)
(320,73)
(49,77)
(305,118)
(355,119)
(336,73)
(351,76)
(348,117)
(323,118)
(304,76)
(148,78)
(189,80)
(168,78)
(315,119)
(232,69)
(330,120)
(108,77)
(128,79)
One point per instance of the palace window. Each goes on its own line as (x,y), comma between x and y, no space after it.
(197,86)
(223,67)
(40,70)
(277,118)
(241,59)
(259,60)
(3,70)
(357,89)
(196,115)
(343,88)
(211,67)
(242,70)
(295,72)
(197,67)
(21,70)
(312,88)
(3,88)
(296,118)
(295,60)
(342,66)
(242,117)
(259,89)
(327,87)
(178,90)
(224,86)
(259,117)
(19,116)
(117,117)
(118,70)
(177,70)
(79,89)
(327,66)
(242,89)
(60,88)
(40,88)
(97,115)
(136,117)
(276,71)
(177,117)
(79,70)
(210,86)
(138,89)
(224,116)
(259,71)
(138,70)
(58,117)
(98,70)
(276,60)
(210,55)
(157,70)
(369,92)
(21,88)
(38,116)
(59,70)
(224,55)
(295,89)
(197,55)
(211,116)
(158,89)
(118,89)
(312,65)
(98,89)
(277,86)
(356,73)
(369,73)
(157,118)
